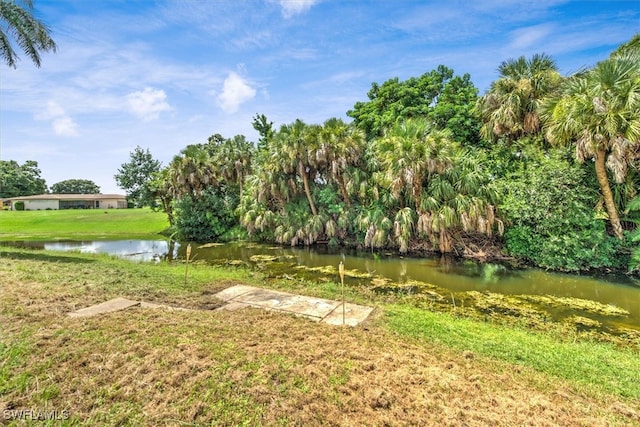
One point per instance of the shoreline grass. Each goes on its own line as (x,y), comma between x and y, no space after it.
(226,363)
(89,224)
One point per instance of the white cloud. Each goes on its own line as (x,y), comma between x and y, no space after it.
(294,7)
(65,126)
(235,91)
(61,122)
(524,38)
(148,103)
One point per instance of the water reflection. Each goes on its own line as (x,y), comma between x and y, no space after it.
(135,250)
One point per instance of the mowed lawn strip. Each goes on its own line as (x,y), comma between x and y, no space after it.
(82,224)
(407,366)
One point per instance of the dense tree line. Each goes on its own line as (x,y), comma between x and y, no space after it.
(543,168)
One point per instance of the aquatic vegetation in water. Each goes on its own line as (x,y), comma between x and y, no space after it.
(333,271)
(263,258)
(494,303)
(576,304)
(582,322)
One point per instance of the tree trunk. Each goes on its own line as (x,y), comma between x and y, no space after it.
(305,180)
(343,190)
(605,189)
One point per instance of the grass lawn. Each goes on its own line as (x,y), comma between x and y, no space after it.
(406,366)
(72,224)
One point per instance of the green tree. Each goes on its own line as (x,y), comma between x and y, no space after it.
(437,95)
(599,111)
(29,33)
(510,108)
(135,176)
(265,129)
(160,188)
(20,180)
(75,186)
(455,110)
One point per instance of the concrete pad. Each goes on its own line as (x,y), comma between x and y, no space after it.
(354,314)
(110,306)
(263,297)
(316,309)
(308,306)
(233,292)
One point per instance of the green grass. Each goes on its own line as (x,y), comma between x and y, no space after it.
(81,224)
(597,366)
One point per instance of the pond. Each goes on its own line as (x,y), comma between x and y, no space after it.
(610,302)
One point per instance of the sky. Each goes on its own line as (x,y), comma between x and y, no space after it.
(164,74)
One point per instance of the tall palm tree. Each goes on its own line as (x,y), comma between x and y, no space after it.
(510,108)
(341,146)
(233,159)
(291,155)
(192,172)
(409,153)
(17,22)
(599,111)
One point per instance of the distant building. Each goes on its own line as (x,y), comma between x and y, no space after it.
(43,202)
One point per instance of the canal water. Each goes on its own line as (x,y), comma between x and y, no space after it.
(389,272)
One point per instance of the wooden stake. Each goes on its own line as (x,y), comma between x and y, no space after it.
(341,271)
(186,268)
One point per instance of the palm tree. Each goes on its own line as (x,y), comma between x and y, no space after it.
(409,153)
(340,147)
(30,34)
(599,111)
(460,199)
(510,107)
(290,155)
(233,159)
(192,172)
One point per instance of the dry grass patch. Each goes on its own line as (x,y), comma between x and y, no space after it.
(250,367)
(153,367)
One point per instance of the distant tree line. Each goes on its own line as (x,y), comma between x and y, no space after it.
(25,180)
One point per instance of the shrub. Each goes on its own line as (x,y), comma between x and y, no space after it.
(205,218)
(551,219)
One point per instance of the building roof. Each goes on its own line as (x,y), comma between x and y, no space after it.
(69,197)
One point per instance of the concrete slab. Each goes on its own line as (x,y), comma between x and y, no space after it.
(110,306)
(233,292)
(354,314)
(316,309)
(308,306)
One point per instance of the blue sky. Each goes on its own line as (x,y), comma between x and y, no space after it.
(164,74)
